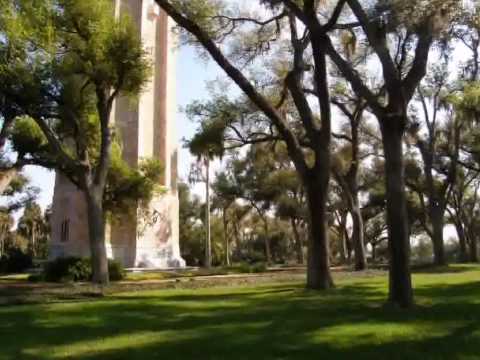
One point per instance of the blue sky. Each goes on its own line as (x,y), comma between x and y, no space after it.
(192,77)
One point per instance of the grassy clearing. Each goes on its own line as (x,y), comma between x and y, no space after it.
(276,321)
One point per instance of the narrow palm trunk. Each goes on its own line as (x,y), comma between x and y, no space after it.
(96,229)
(400,283)
(318,269)
(208,244)
(225,234)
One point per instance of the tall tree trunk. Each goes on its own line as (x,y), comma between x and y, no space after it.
(208,243)
(473,247)
(374,252)
(96,230)
(346,248)
(2,241)
(358,237)
(463,256)
(238,241)
(318,269)
(225,234)
(437,220)
(34,253)
(298,242)
(350,189)
(400,283)
(268,250)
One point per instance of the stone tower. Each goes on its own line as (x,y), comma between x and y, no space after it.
(147,129)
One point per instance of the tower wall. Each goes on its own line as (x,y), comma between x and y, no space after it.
(147,129)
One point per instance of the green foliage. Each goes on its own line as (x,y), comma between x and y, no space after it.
(214,117)
(468,102)
(15,261)
(18,185)
(34,226)
(106,51)
(128,187)
(202,12)
(68,269)
(191,230)
(246,268)
(116,271)
(67,86)
(78,269)
(27,137)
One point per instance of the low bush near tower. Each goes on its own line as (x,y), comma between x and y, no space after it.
(74,269)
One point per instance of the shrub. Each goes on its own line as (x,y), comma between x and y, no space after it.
(68,269)
(78,269)
(116,272)
(36,278)
(258,268)
(246,268)
(15,261)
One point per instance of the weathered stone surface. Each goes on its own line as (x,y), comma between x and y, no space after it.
(147,128)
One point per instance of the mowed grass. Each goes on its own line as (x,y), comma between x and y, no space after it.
(278,321)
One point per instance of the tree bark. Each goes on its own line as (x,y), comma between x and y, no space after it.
(463,256)
(400,283)
(236,234)
(345,253)
(358,237)
(437,220)
(473,248)
(225,234)
(318,269)
(208,244)
(34,253)
(96,229)
(268,250)
(298,242)
(2,242)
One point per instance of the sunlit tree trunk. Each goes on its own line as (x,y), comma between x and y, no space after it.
(208,244)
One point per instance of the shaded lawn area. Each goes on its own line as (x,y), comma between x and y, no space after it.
(278,321)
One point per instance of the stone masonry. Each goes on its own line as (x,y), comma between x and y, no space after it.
(147,129)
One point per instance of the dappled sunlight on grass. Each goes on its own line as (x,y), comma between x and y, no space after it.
(375,332)
(278,321)
(106,344)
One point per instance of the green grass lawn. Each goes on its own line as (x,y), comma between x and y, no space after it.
(278,321)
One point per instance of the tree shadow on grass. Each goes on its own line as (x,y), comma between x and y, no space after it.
(277,322)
